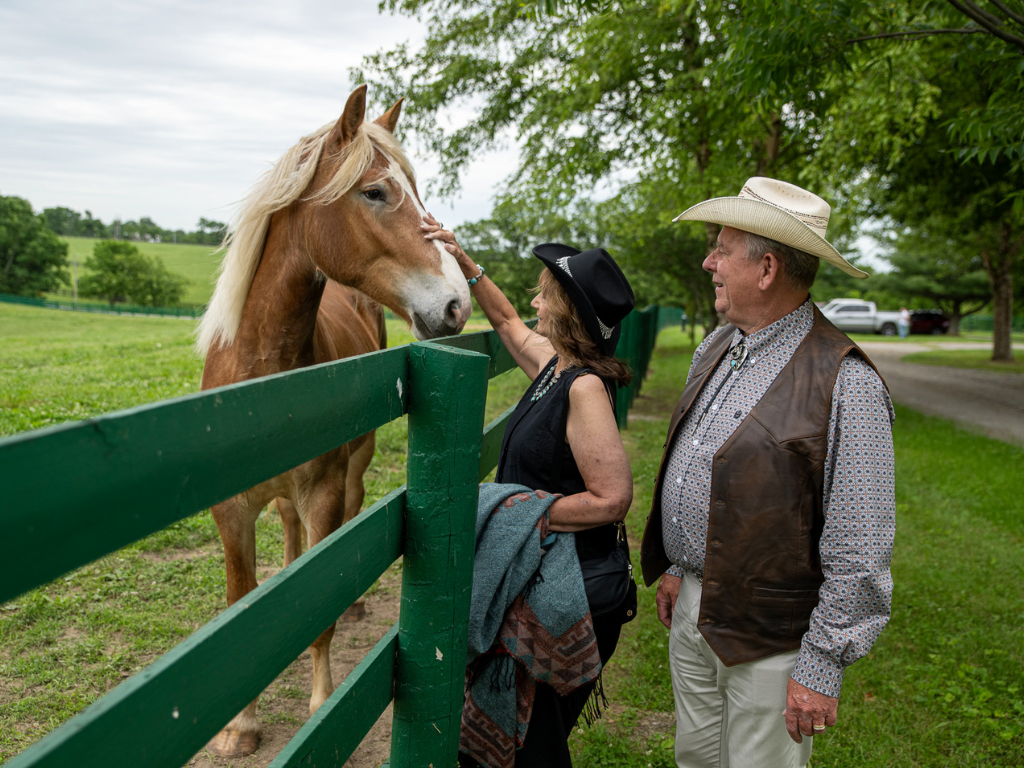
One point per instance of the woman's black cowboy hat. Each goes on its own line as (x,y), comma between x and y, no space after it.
(596,287)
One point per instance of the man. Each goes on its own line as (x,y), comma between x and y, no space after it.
(773,513)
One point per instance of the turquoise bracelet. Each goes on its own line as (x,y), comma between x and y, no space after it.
(473,280)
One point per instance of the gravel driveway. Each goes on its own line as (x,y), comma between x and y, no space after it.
(987,401)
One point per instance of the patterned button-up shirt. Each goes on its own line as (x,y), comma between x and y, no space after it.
(859,492)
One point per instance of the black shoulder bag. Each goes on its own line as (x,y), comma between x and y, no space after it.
(609,583)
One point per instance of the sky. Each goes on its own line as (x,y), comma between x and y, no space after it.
(172,110)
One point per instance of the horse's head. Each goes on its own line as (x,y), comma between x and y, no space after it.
(363,217)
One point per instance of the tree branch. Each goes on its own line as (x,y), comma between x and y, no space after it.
(975,13)
(1010,13)
(920,33)
(991,18)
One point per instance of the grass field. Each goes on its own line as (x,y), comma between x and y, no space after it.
(65,644)
(944,686)
(980,359)
(198,263)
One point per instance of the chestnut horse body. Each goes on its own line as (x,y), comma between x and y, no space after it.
(330,234)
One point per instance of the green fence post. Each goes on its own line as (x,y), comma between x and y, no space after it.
(624,351)
(448,389)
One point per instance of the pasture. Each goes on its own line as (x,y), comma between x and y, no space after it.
(196,262)
(943,686)
(107,620)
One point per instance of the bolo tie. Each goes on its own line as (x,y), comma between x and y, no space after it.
(737,357)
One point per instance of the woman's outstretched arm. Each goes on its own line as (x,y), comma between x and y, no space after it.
(530,350)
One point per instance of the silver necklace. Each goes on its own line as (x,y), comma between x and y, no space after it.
(547,382)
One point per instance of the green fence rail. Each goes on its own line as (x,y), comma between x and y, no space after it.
(103,309)
(129,474)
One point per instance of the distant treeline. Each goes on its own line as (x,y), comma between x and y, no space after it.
(64,221)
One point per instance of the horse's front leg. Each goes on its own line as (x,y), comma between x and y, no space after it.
(236,522)
(355,491)
(323,514)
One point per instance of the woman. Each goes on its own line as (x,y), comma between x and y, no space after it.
(562,437)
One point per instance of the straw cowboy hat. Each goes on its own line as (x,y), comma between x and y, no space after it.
(779,211)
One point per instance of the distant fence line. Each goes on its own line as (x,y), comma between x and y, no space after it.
(67,293)
(984,323)
(186,310)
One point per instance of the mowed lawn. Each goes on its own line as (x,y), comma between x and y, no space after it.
(62,646)
(944,685)
(198,263)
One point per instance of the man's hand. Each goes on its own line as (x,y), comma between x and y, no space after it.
(805,708)
(668,591)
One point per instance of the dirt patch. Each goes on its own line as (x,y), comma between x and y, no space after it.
(171,555)
(654,725)
(284,706)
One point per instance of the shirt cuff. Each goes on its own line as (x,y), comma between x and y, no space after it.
(818,670)
(677,571)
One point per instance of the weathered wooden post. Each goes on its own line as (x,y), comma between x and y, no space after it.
(448,388)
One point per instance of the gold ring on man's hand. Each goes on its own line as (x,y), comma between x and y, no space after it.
(818,727)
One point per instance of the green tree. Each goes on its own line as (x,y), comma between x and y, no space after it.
(942,268)
(774,40)
(936,88)
(210,232)
(90,227)
(600,101)
(32,258)
(62,221)
(121,273)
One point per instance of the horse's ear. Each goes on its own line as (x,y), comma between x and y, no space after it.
(390,118)
(345,129)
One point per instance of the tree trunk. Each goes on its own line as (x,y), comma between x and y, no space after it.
(772,144)
(1002,312)
(1001,279)
(954,320)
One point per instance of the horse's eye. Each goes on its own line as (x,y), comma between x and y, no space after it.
(373,194)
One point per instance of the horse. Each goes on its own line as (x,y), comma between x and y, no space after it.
(327,236)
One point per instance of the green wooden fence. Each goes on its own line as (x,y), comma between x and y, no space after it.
(129,474)
(639,332)
(191,310)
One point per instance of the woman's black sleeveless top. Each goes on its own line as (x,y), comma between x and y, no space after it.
(528,451)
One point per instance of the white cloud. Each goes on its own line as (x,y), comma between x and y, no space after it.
(173,109)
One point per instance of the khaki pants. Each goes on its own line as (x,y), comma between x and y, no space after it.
(727,717)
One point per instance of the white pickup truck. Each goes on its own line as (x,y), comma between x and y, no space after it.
(859,316)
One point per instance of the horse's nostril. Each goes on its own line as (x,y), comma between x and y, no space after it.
(451,312)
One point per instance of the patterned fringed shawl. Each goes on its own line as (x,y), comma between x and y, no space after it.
(529,621)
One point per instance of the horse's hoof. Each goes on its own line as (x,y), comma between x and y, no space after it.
(232,743)
(355,612)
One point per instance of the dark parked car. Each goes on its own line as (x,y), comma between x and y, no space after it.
(932,321)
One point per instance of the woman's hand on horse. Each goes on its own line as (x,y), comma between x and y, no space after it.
(434,231)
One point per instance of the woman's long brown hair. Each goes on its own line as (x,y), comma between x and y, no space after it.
(568,335)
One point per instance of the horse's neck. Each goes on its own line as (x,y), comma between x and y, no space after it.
(279,320)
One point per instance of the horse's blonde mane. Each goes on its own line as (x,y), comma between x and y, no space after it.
(278,188)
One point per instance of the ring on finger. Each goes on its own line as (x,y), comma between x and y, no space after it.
(818,727)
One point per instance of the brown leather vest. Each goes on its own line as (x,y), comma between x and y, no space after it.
(762,569)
